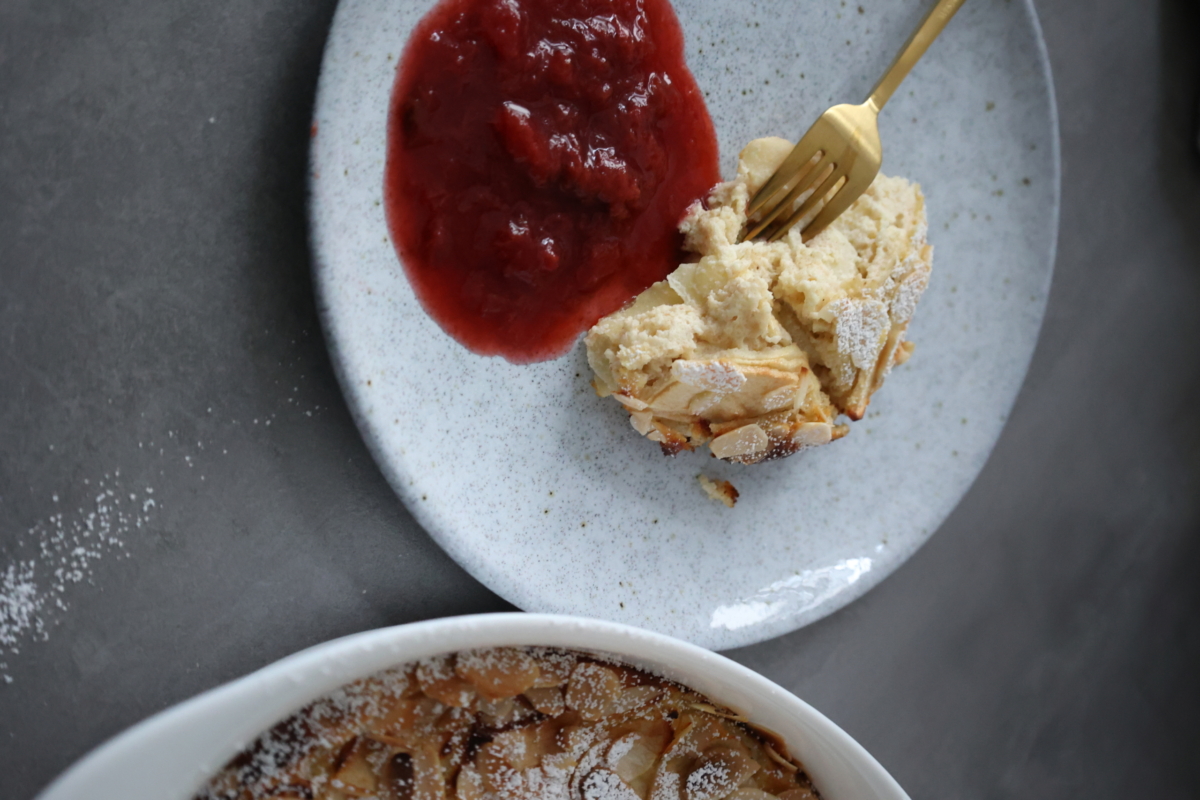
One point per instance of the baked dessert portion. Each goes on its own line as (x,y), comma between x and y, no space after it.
(514,724)
(755,348)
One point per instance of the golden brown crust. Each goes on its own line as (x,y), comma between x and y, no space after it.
(521,725)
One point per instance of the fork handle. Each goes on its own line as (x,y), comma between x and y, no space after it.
(917,44)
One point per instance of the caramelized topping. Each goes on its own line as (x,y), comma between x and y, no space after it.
(514,724)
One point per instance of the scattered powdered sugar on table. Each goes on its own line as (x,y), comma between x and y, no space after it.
(59,552)
(19,606)
(39,566)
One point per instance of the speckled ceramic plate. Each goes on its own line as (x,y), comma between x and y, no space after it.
(544,492)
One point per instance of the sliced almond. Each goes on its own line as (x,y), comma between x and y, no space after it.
(555,668)
(604,784)
(497,672)
(428,780)
(635,697)
(783,397)
(675,398)
(723,767)
(702,402)
(642,421)
(630,402)
(593,690)
(707,708)
(812,434)
(437,679)
(799,793)
(750,793)
(745,441)
(505,711)
(411,718)
(514,747)
(548,701)
(637,769)
(354,772)
(543,738)
(752,399)
(452,735)
(634,755)
(468,785)
(499,777)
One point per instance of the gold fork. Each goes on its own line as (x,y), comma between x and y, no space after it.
(841,153)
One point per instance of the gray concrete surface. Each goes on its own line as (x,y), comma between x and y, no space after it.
(158,332)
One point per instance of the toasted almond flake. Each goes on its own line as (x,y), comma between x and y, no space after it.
(799,793)
(547,700)
(750,793)
(437,679)
(778,759)
(745,441)
(630,402)
(717,712)
(592,690)
(813,433)
(727,764)
(780,398)
(675,398)
(468,784)
(355,772)
(637,759)
(703,402)
(604,784)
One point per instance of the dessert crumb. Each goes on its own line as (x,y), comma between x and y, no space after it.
(721,491)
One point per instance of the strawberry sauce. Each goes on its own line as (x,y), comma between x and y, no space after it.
(541,154)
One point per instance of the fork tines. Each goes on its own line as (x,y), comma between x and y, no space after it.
(831,166)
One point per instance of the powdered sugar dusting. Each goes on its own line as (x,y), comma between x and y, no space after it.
(100,518)
(604,784)
(434,668)
(712,376)
(60,551)
(619,750)
(707,781)
(861,328)
(907,295)
(320,726)
(667,787)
